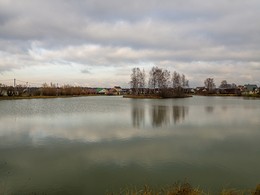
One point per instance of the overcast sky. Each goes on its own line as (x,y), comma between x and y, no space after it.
(97,43)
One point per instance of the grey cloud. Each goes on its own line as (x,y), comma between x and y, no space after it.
(85,71)
(122,33)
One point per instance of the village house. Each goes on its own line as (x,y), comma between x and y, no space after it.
(229,89)
(115,91)
(250,89)
(200,90)
(102,91)
(118,90)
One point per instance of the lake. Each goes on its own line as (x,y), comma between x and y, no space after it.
(96,145)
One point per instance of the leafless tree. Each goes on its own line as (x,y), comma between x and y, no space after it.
(209,84)
(159,79)
(164,79)
(2,88)
(184,81)
(176,80)
(141,78)
(137,80)
(223,84)
(179,80)
(153,81)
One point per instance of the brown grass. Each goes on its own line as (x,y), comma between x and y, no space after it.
(183,189)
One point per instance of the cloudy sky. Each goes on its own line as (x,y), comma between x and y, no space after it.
(97,43)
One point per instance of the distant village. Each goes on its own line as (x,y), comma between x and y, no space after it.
(68,90)
(160,84)
(54,90)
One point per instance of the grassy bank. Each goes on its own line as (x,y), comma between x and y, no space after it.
(184,189)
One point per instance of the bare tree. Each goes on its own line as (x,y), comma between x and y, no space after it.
(159,79)
(134,80)
(2,87)
(176,80)
(164,79)
(153,78)
(142,78)
(161,82)
(223,84)
(184,81)
(179,83)
(209,84)
(137,81)
(49,90)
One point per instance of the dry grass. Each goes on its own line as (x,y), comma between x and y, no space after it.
(183,189)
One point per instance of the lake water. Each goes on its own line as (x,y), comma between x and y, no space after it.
(95,145)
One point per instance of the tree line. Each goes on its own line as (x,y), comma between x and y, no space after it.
(45,90)
(160,82)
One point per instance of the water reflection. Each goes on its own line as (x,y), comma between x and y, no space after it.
(138,114)
(76,146)
(159,115)
(209,109)
(179,113)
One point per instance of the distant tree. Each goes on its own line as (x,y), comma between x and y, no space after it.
(10,91)
(134,80)
(137,82)
(223,84)
(164,79)
(233,85)
(160,82)
(176,80)
(153,81)
(49,90)
(141,83)
(184,81)
(20,89)
(159,79)
(2,87)
(179,82)
(209,84)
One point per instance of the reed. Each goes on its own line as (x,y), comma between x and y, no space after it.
(182,188)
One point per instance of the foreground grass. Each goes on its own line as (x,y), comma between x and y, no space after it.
(183,189)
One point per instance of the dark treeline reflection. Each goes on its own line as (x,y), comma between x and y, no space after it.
(209,109)
(138,114)
(160,115)
(179,113)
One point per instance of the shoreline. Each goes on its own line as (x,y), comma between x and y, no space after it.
(229,95)
(154,97)
(127,96)
(42,97)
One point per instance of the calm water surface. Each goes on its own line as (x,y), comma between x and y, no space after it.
(94,145)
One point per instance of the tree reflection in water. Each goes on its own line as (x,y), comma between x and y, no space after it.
(137,114)
(160,115)
(209,109)
(179,113)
